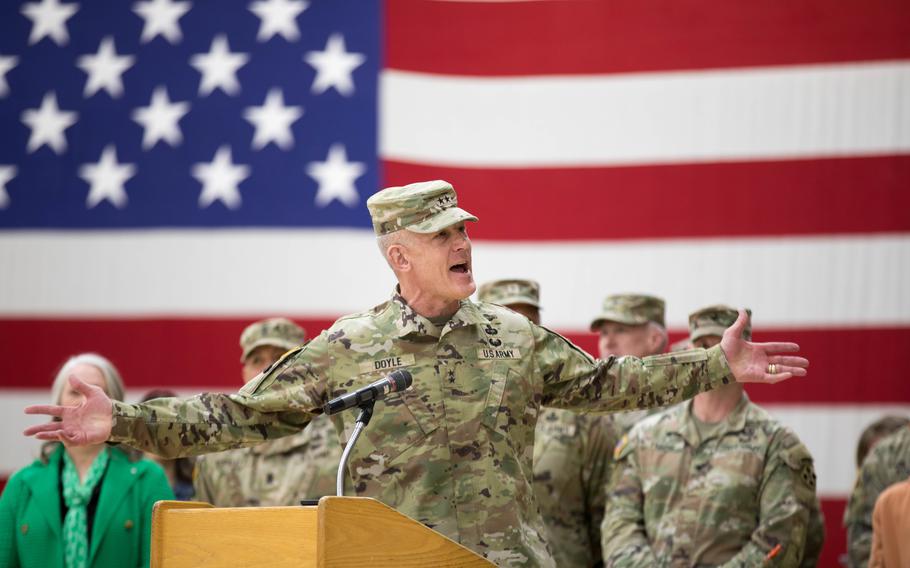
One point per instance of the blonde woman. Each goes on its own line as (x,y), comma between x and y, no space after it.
(81,506)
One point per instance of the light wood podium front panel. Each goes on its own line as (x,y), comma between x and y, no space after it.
(195,535)
(358,531)
(341,532)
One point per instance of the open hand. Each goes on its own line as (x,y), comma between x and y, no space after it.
(89,422)
(750,362)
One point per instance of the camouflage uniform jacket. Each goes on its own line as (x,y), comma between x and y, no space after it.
(729,500)
(572,457)
(887,463)
(455,450)
(276,473)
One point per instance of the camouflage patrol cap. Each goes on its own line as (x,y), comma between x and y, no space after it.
(279,332)
(511,291)
(423,207)
(631,309)
(714,320)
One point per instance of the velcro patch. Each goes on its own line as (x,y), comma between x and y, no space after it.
(387,363)
(489,353)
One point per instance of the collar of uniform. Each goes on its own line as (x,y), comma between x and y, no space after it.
(408,322)
(735,421)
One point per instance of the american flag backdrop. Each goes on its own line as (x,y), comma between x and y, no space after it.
(171,170)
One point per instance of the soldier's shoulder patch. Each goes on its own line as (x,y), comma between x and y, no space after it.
(287,355)
(622,448)
(799,460)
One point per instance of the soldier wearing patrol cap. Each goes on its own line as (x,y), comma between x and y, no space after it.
(572,454)
(522,296)
(630,325)
(712,481)
(455,450)
(888,463)
(278,472)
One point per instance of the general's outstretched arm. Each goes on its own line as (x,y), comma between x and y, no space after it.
(574,380)
(279,402)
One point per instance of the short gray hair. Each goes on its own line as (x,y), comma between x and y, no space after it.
(112,379)
(389,239)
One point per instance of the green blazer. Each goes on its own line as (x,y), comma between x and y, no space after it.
(31,523)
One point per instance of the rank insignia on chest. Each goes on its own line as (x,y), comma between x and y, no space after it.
(506,353)
(387,363)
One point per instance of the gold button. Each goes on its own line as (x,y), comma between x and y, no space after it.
(128,524)
(24,528)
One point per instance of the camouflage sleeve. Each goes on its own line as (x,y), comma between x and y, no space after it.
(576,381)
(858,521)
(815,537)
(786,494)
(202,490)
(279,402)
(877,550)
(872,479)
(623,537)
(601,438)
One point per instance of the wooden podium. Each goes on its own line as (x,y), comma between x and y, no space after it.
(339,532)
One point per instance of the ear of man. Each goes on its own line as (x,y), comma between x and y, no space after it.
(657,338)
(394,247)
(398,258)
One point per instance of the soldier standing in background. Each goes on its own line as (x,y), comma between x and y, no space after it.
(887,463)
(572,455)
(712,481)
(277,472)
(630,325)
(455,450)
(875,432)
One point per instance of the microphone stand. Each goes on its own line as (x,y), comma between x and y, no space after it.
(366,413)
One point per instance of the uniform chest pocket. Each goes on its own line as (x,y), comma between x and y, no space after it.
(399,421)
(498,375)
(511,400)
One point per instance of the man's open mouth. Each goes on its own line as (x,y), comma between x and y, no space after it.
(461,268)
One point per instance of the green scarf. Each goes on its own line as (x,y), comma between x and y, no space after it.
(76,495)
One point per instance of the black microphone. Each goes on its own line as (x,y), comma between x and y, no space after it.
(393,382)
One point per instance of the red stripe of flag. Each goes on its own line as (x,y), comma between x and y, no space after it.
(559,37)
(849,365)
(799,197)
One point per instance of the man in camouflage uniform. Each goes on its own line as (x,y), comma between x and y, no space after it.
(455,450)
(887,463)
(630,325)
(278,472)
(714,481)
(572,455)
